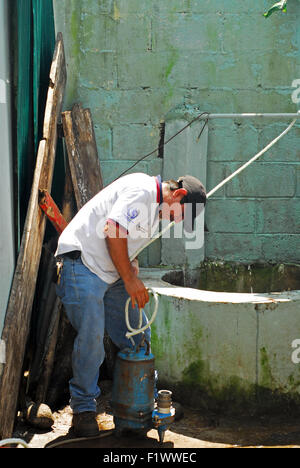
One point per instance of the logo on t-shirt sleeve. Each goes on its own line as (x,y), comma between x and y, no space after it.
(132,213)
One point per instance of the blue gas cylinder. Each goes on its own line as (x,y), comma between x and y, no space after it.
(133,389)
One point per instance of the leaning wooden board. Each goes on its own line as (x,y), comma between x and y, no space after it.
(18,314)
(82,153)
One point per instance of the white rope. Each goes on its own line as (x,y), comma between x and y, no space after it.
(158,235)
(135,331)
(5,442)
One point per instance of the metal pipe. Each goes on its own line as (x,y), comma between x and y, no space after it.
(250,116)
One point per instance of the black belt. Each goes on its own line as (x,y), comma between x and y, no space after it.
(74,254)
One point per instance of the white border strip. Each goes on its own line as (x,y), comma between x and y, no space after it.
(2,92)
(2,352)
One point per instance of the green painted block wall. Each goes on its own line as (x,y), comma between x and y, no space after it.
(134,61)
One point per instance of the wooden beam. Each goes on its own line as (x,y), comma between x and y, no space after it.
(18,314)
(82,154)
(69,204)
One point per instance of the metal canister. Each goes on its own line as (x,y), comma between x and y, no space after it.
(133,389)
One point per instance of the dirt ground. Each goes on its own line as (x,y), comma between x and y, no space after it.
(194,430)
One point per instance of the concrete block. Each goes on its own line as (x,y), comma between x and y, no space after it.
(112,169)
(134,6)
(225,6)
(187,32)
(215,174)
(232,142)
(200,69)
(286,149)
(241,100)
(238,71)
(262,180)
(155,6)
(279,68)
(98,69)
(263,100)
(154,253)
(235,6)
(144,69)
(176,6)
(134,33)
(155,166)
(236,216)
(242,248)
(173,250)
(297,168)
(134,141)
(98,32)
(143,259)
(95,7)
(211,6)
(276,370)
(280,248)
(278,216)
(245,33)
(196,69)
(136,106)
(103,136)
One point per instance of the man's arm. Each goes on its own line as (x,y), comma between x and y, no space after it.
(118,249)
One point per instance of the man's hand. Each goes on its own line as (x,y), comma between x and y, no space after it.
(137,291)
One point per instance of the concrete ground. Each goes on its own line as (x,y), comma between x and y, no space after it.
(196,429)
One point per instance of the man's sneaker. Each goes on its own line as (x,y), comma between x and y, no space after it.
(85,424)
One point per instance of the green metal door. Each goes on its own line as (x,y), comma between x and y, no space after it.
(34,34)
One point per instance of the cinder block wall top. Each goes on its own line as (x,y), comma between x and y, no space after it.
(134,61)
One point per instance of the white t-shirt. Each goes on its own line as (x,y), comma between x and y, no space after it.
(131,201)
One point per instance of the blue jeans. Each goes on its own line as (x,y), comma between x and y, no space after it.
(92,306)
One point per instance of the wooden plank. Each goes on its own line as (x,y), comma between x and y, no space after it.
(56,366)
(69,203)
(82,154)
(50,345)
(17,320)
(46,310)
(43,367)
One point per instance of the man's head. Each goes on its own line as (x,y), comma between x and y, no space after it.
(183,199)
